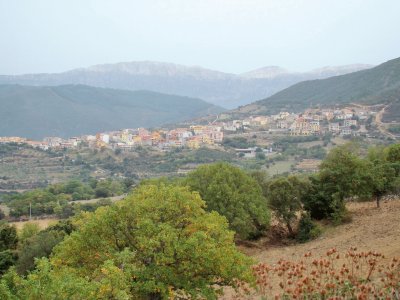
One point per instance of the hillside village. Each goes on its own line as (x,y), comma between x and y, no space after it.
(347,121)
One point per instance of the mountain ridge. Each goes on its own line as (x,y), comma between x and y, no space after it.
(220,88)
(380,84)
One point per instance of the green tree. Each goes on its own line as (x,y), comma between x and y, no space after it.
(262,179)
(345,170)
(157,242)
(381,172)
(8,237)
(284,195)
(393,153)
(342,175)
(234,194)
(28,230)
(8,245)
(37,246)
(46,283)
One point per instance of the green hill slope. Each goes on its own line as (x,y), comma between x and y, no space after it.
(69,110)
(377,85)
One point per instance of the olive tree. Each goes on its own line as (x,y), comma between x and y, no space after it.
(234,194)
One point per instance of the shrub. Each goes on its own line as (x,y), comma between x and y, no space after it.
(308,229)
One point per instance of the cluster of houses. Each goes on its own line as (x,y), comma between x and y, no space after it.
(193,137)
(343,122)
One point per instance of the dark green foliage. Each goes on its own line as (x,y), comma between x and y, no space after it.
(37,246)
(344,171)
(41,245)
(284,198)
(319,202)
(297,139)
(8,237)
(238,142)
(262,179)
(234,194)
(8,245)
(308,229)
(8,258)
(102,192)
(65,226)
(91,207)
(342,174)
(260,156)
(393,153)
(36,111)
(56,198)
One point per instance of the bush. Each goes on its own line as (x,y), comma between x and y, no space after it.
(308,229)
(28,230)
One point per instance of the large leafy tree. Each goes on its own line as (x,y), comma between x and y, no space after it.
(382,171)
(345,171)
(342,175)
(157,243)
(284,195)
(234,194)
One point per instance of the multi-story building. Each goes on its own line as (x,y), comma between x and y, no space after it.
(334,127)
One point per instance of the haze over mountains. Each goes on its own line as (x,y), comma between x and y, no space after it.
(69,110)
(223,89)
(380,84)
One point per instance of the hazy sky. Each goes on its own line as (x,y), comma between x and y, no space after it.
(227,35)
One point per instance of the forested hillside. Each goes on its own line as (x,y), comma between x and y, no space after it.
(377,85)
(36,112)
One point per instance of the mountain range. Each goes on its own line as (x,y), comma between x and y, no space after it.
(69,110)
(219,88)
(380,84)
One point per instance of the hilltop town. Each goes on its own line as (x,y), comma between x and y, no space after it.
(347,121)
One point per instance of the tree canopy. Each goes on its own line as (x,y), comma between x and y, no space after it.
(157,243)
(229,191)
(284,195)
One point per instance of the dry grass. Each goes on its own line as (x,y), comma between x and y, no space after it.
(43,224)
(371,229)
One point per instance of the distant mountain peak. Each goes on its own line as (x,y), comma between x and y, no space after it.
(341,70)
(265,72)
(155,68)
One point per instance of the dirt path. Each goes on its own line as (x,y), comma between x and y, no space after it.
(380,124)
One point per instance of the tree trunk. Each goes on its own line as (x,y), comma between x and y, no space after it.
(378,204)
(289,227)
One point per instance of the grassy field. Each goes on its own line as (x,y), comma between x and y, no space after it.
(280,167)
(43,223)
